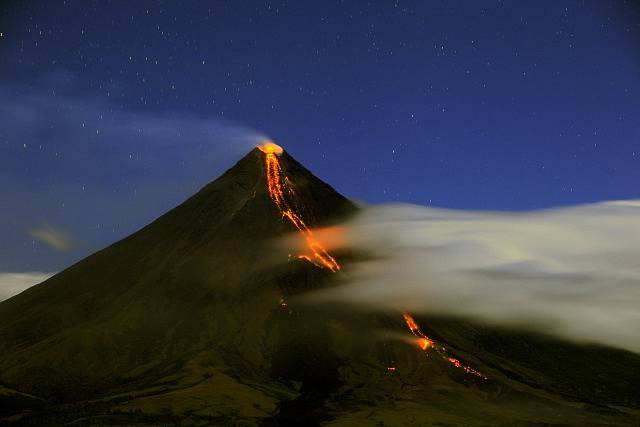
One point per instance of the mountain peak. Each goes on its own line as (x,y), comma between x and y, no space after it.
(182,282)
(318,202)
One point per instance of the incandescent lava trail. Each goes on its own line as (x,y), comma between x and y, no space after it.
(279,187)
(426,343)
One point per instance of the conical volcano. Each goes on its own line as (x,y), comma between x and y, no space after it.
(193,319)
(201,275)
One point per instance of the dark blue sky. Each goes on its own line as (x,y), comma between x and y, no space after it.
(464,104)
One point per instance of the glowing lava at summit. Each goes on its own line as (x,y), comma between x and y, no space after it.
(270,147)
(280,186)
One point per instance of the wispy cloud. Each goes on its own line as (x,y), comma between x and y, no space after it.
(53,237)
(96,169)
(572,272)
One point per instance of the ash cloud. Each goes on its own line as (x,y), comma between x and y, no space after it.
(571,272)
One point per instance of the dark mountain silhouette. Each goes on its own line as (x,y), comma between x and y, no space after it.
(193,320)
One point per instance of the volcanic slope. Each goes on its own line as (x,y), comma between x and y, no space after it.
(193,320)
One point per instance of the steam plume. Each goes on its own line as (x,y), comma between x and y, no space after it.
(572,272)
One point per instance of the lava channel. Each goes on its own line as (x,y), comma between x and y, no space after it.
(426,343)
(278,187)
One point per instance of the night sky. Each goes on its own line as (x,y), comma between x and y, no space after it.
(113,112)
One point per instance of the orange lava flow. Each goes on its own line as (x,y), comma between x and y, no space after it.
(469,370)
(425,343)
(278,187)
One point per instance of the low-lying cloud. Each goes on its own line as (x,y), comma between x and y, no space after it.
(571,272)
(14,283)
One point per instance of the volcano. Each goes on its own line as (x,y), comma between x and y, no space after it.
(195,320)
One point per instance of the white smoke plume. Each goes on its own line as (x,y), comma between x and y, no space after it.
(571,272)
(96,171)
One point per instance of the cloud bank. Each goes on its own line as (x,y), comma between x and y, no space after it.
(14,283)
(571,272)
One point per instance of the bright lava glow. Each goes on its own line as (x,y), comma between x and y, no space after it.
(426,343)
(270,147)
(279,187)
